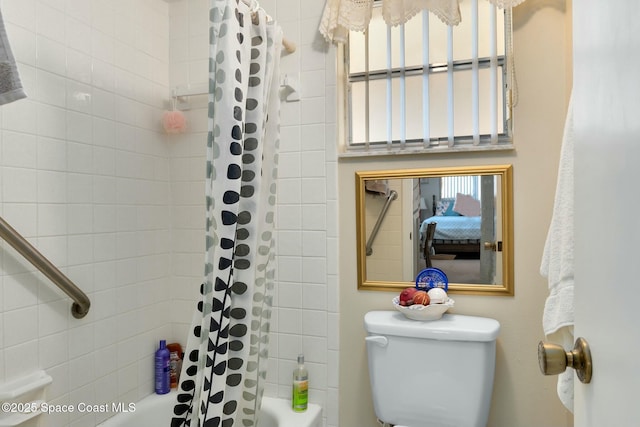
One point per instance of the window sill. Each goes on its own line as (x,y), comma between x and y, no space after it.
(397,151)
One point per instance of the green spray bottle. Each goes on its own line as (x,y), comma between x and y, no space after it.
(300,395)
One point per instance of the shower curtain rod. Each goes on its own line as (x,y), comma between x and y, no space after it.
(81,303)
(288,45)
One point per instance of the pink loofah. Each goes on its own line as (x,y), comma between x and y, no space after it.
(174,122)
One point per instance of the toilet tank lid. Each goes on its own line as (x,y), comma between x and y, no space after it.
(451,327)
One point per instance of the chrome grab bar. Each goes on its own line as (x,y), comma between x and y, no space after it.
(81,303)
(392,196)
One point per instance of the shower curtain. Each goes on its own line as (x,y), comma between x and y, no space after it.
(224,367)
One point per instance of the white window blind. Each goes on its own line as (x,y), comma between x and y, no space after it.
(424,85)
(450,186)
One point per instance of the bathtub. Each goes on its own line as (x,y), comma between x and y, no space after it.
(156,410)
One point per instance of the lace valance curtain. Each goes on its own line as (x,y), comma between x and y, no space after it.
(341,16)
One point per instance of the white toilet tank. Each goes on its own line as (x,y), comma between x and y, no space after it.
(435,373)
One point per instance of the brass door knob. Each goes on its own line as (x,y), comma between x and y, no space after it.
(554,360)
(493,246)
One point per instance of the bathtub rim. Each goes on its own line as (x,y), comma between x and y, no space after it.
(287,416)
(278,407)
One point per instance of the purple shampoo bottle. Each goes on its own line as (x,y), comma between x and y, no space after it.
(162,368)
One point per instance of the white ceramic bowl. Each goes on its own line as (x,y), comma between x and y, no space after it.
(423,312)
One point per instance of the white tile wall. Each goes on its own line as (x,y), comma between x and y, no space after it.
(88,177)
(84,175)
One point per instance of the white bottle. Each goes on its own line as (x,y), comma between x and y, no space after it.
(300,387)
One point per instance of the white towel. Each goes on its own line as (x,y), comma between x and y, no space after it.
(10,86)
(557,262)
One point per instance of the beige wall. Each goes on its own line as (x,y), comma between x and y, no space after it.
(522,396)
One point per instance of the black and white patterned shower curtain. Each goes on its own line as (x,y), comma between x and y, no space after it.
(224,366)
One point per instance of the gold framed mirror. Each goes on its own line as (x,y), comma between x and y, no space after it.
(458,219)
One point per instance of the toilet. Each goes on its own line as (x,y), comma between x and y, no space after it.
(435,373)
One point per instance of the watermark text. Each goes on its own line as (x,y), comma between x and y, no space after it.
(81,407)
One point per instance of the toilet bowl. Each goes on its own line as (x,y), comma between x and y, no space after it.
(435,373)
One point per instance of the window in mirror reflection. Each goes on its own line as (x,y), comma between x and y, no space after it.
(450,186)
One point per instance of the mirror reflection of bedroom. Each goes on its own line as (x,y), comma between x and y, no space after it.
(451,217)
(457,215)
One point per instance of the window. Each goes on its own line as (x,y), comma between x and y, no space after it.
(450,186)
(426,86)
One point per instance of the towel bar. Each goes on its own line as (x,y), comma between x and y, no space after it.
(392,196)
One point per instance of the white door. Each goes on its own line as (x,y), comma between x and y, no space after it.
(606,90)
